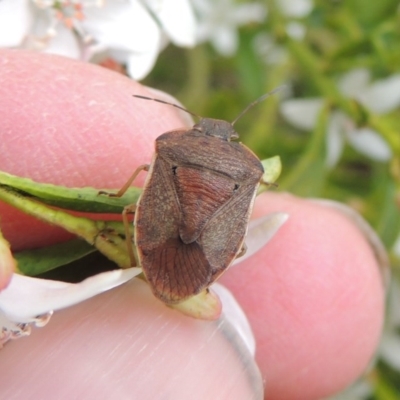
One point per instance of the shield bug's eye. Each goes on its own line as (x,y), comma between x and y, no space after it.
(236,187)
(174,169)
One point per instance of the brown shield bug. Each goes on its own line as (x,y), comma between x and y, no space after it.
(191,219)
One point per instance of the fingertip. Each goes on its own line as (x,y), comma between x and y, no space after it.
(79,123)
(145,349)
(73,124)
(314,297)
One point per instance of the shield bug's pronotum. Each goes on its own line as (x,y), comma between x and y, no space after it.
(191,219)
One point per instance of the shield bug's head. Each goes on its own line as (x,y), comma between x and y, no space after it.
(217,128)
(223,129)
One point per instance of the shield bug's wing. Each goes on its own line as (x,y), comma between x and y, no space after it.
(174,270)
(179,270)
(157,214)
(223,236)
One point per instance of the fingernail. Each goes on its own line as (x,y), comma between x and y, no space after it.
(236,328)
(232,311)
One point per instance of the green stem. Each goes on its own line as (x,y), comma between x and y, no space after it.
(97,233)
(196,90)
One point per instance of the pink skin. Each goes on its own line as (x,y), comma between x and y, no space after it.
(317,308)
(313,295)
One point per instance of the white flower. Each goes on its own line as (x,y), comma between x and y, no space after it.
(295,8)
(26,301)
(380,97)
(267,49)
(15,18)
(219,20)
(131,31)
(296,30)
(265,45)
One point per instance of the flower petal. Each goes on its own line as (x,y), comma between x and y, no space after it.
(354,81)
(177,20)
(48,35)
(302,113)
(219,20)
(10,330)
(225,40)
(236,316)
(27,297)
(261,231)
(296,30)
(250,12)
(382,96)
(15,20)
(370,143)
(125,26)
(296,8)
(334,139)
(268,50)
(64,43)
(138,64)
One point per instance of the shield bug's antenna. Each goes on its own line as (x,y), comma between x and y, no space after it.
(260,99)
(166,102)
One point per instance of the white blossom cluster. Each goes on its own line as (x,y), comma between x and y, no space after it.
(132,32)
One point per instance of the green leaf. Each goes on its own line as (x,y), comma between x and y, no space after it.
(78,199)
(38,261)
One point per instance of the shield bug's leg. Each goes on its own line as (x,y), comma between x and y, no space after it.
(128,236)
(242,250)
(121,192)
